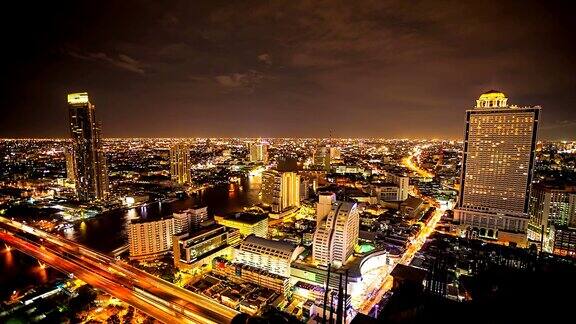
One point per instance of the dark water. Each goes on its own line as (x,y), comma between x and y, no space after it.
(18,272)
(108,231)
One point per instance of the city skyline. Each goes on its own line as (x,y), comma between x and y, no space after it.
(306,161)
(259,70)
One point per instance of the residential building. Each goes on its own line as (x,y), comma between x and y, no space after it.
(150,239)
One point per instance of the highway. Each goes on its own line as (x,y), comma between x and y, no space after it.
(159,298)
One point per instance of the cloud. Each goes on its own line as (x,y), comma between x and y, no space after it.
(121,61)
(248,80)
(265,58)
(560,124)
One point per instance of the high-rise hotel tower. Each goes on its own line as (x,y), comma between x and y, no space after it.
(180,163)
(91,174)
(498,162)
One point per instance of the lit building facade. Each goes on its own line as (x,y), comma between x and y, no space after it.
(392,187)
(498,162)
(269,255)
(554,205)
(190,219)
(321,157)
(280,190)
(150,239)
(552,209)
(247,223)
(70,167)
(201,247)
(91,174)
(324,205)
(259,153)
(180,164)
(337,235)
(565,242)
(335,153)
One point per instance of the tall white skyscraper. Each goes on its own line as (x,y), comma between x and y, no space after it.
(336,235)
(498,162)
(180,163)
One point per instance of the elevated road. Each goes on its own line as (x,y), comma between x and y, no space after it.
(157,297)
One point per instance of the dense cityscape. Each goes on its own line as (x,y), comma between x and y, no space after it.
(315,229)
(480,228)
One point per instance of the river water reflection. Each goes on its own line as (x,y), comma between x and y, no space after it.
(108,231)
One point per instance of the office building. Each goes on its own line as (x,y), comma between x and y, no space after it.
(247,223)
(336,235)
(150,239)
(272,256)
(280,190)
(498,162)
(91,174)
(180,164)
(201,247)
(259,153)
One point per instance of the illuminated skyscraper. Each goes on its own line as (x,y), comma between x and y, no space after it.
(498,162)
(259,152)
(280,190)
(336,235)
(70,168)
(91,174)
(180,163)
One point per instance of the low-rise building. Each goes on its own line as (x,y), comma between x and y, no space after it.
(247,223)
(272,256)
(252,274)
(199,248)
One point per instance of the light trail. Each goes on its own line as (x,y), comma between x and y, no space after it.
(189,306)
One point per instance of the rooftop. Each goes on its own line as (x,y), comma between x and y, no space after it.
(246,218)
(282,246)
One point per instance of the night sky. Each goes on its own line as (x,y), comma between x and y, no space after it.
(284,68)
